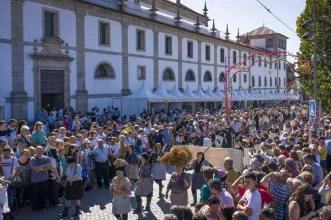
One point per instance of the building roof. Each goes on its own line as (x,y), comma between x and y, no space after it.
(187,8)
(262,31)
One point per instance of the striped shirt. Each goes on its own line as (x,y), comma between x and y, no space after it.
(279,193)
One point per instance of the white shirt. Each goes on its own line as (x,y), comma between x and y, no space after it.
(8,165)
(253,201)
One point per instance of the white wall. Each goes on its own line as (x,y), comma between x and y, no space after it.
(73,73)
(205,85)
(5,19)
(92,34)
(5,70)
(103,86)
(101,103)
(28,70)
(260,43)
(31,113)
(7,111)
(33,14)
(174,66)
(203,53)
(132,41)
(194,68)
(134,83)
(162,46)
(184,49)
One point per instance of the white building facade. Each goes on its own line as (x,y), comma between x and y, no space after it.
(86,53)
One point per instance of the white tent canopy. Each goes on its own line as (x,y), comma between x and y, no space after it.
(188,93)
(212,95)
(145,93)
(218,93)
(160,91)
(259,95)
(237,97)
(175,92)
(202,95)
(257,98)
(249,96)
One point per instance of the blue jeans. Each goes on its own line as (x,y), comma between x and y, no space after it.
(11,197)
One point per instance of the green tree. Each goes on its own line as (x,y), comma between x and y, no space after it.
(323,31)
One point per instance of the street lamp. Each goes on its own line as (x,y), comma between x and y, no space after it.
(312,33)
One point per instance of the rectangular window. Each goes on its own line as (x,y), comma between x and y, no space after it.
(207,52)
(168,45)
(265,81)
(51,24)
(245,78)
(141,72)
(284,65)
(259,81)
(253,60)
(222,55)
(234,57)
(269,43)
(270,81)
(190,49)
(275,81)
(253,81)
(235,78)
(260,62)
(104,38)
(140,40)
(279,65)
(276,65)
(245,62)
(265,62)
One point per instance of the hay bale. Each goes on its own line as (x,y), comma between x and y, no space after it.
(179,156)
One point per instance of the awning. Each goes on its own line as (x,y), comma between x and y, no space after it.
(175,92)
(219,94)
(249,96)
(145,93)
(160,91)
(202,95)
(212,95)
(192,97)
(237,97)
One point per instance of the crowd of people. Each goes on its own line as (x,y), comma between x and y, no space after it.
(68,153)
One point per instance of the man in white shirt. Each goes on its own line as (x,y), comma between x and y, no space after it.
(251,202)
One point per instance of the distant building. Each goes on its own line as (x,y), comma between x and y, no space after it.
(86,53)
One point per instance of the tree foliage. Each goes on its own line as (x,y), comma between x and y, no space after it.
(323,31)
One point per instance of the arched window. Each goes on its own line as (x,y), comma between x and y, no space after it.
(104,70)
(253,81)
(207,77)
(265,81)
(190,76)
(260,81)
(168,75)
(221,78)
(270,81)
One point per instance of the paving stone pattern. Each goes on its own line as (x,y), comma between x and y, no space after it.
(97,205)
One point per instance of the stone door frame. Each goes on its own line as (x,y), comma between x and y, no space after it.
(50,58)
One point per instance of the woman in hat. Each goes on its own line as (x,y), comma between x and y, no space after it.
(197,178)
(144,185)
(159,170)
(74,188)
(120,187)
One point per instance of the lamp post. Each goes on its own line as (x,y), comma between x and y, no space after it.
(307,35)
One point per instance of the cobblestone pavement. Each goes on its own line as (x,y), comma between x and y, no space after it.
(97,205)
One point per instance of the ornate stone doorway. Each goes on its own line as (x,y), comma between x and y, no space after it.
(51,69)
(51,89)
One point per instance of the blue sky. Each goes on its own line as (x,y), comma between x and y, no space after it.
(248,15)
